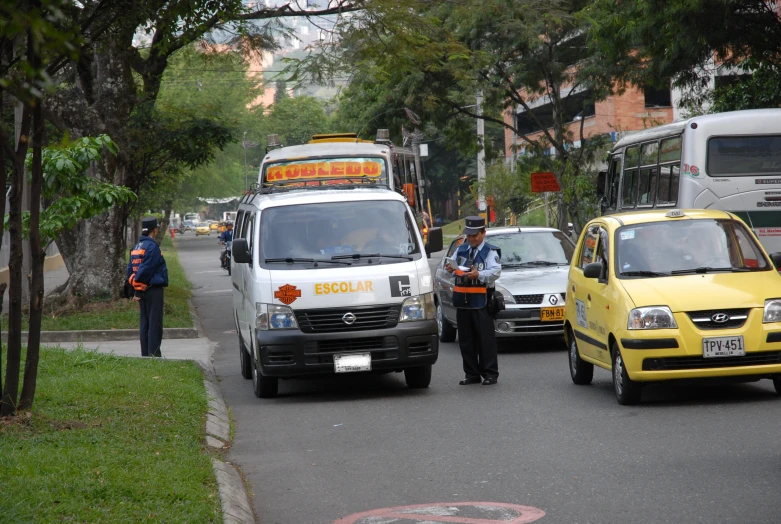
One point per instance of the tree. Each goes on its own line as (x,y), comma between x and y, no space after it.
(517,53)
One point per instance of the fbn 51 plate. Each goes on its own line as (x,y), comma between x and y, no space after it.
(723,347)
(347,363)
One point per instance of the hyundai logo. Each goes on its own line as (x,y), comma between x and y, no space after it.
(553,300)
(349,319)
(720,318)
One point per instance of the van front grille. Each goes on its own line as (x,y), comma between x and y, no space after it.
(334,320)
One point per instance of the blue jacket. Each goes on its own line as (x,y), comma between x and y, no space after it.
(226,236)
(147,266)
(472,294)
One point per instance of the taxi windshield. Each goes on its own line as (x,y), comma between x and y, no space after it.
(679,247)
(356,232)
(534,248)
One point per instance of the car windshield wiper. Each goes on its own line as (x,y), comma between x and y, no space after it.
(708,270)
(643,274)
(356,256)
(306,260)
(536,263)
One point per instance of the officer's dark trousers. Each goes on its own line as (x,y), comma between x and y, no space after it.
(151,325)
(478,343)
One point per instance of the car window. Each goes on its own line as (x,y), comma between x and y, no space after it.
(455,245)
(752,256)
(238,223)
(603,253)
(588,247)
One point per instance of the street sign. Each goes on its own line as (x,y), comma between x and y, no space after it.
(544,182)
(423,149)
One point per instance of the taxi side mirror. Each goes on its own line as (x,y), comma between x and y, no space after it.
(593,270)
(240,251)
(776,258)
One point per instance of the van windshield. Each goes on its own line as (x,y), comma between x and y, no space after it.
(337,231)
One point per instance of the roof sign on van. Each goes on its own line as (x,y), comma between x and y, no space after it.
(323,169)
(675,213)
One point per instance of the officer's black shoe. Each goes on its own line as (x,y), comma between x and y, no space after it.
(490,381)
(468,381)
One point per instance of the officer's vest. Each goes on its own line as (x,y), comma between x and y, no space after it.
(471,294)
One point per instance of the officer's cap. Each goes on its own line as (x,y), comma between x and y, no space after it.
(148,224)
(473,225)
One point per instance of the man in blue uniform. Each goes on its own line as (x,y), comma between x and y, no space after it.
(148,275)
(471,289)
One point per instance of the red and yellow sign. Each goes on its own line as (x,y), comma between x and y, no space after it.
(545,182)
(287,294)
(315,170)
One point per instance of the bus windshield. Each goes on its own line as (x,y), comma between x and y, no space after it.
(686,246)
(317,171)
(744,155)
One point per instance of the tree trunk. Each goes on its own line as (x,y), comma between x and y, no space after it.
(38,256)
(164,223)
(13,361)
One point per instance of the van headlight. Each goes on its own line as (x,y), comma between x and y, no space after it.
(273,316)
(772,310)
(420,307)
(508,297)
(654,317)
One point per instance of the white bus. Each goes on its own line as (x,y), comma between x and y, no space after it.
(728,161)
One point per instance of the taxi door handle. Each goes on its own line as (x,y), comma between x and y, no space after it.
(589,296)
(573,289)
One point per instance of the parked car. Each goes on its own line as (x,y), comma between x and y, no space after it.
(667,295)
(535,262)
(202,229)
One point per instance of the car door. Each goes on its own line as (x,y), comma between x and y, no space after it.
(248,279)
(237,276)
(598,298)
(580,290)
(445,282)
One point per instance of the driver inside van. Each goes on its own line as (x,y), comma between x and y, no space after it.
(372,237)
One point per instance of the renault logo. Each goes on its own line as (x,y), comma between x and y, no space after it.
(553,300)
(349,319)
(720,318)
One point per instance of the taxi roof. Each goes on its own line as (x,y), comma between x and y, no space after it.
(325,149)
(660,215)
(295,197)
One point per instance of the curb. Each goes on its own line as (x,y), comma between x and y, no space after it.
(234,499)
(105,335)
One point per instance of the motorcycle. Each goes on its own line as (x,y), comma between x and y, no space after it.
(225,257)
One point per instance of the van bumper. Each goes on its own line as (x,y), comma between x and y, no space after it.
(291,353)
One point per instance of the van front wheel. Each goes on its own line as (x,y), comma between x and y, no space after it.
(418,378)
(264,387)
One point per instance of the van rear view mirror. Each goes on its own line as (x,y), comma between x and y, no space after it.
(241,254)
(434,242)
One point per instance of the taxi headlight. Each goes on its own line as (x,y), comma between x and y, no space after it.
(654,317)
(420,307)
(508,297)
(772,310)
(273,316)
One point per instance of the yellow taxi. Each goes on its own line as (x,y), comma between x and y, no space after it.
(666,295)
(202,229)
(214,226)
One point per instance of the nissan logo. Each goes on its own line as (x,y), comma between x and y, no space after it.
(349,319)
(553,300)
(720,318)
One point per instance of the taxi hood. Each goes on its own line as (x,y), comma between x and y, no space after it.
(707,291)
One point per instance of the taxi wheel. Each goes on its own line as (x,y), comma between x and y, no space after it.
(263,387)
(246,362)
(418,378)
(582,372)
(445,330)
(777,385)
(627,390)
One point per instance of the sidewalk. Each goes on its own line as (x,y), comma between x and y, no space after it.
(198,349)
(51,279)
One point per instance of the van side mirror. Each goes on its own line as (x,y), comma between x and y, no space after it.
(434,242)
(593,270)
(601,178)
(240,253)
(776,258)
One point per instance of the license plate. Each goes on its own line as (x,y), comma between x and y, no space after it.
(551,314)
(723,347)
(353,362)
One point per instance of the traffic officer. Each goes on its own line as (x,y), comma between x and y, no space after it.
(148,275)
(470,296)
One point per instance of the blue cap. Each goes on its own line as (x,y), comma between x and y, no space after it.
(473,225)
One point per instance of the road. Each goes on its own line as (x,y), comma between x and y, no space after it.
(325,449)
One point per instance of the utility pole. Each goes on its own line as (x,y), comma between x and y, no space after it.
(480,156)
(244,146)
(416,136)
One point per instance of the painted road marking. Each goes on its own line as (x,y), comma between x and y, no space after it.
(453,512)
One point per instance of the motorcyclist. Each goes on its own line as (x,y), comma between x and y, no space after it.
(226,239)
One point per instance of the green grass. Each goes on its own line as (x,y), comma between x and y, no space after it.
(123,313)
(110,439)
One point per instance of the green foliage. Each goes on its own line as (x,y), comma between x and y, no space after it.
(510,191)
(112,439)
(757,88)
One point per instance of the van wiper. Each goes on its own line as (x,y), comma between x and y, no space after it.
(643,274)
(307,260)
(536,263)
(357,256)
(708,270)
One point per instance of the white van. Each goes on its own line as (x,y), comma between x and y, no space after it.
(331,281)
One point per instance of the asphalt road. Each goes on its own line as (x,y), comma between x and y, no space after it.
(325,449)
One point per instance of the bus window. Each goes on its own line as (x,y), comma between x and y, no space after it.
(613,177)
(629,183)
(648,173)
(670,150)
(668,185)
(744,155)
